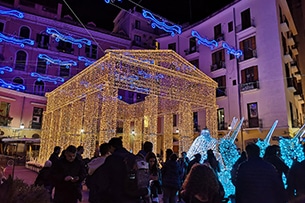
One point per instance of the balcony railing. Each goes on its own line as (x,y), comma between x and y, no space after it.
(292,83)
(218,65)
(253,123)
(248,54)
(242,27)
(191,50)
(249,86)
(296,123)
(221,91)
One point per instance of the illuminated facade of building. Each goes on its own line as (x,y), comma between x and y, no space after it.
(263,84)
(39,51)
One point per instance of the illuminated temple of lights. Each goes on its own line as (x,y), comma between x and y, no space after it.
(86,109)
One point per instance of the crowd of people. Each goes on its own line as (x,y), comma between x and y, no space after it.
(177,179)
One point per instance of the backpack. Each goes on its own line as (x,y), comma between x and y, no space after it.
(137,176)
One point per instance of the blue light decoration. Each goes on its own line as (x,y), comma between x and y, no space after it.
(17,87)
(231,50)
(14,40)
(204,41)
(5,68)
(87,61)
(59,36)
(47,78)
(263,144)
(112,1)
(149,76)
(15,13)
(161,24)
(57,61)
(292,149)
(229,154)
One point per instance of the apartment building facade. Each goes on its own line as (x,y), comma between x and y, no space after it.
(264,83)
(39,50)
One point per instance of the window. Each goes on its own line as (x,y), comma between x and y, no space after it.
(195,63)
(137,38)
(64,71)
(172,46)
(24,32)
(217,31)
(18,80)
(20,60)
(248,46)
(221,89)
(253,115)
(65,47)
(91,51)
(192,45)
(37,118)
(230,26)
(218,60)
(221,119)
(39,88)
(249,78)
(1,27)
(195,120)
(245,19)
(175,120)
(41,66)
(137,24)
(42,41)
(5,118)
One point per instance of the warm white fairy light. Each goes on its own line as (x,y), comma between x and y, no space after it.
(90,101)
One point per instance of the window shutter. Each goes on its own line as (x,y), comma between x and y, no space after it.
(243,76)
(255,72)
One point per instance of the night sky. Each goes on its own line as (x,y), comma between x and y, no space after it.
(103,14)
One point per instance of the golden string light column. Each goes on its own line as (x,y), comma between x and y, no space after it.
(167,133)
(186,126)
(84,110)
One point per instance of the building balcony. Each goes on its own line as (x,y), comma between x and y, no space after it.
(287,58)
(291,84)
(221,92)
(294,67)
(296,123)
(220,37)
(298,76)
(242,27)
(294,50)
(290,40)
(248,54)
(191,50)
(218,65)
(284,27)
(249,86)
(253,123)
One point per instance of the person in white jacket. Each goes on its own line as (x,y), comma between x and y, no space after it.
(97,162)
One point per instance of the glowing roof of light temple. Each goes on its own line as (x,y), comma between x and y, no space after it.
(155,72)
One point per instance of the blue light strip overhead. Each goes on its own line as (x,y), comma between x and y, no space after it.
(14,40)
(87,61)
(47,78)
(212,44)
(17,87)
(161,24)
(15,13)
(57,61)
(112,1)
(5,68)
(232,50)
(67,38)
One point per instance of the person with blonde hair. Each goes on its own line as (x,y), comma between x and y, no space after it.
(202,186)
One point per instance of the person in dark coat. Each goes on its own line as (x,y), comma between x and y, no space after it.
(55,155)
(242,158)
(257,180)
(68,174)
(272,155)
(171,179)
(212,161)
(296,181)
(196,159)
(111,175)
(44,177)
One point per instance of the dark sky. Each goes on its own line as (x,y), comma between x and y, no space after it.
(176,11)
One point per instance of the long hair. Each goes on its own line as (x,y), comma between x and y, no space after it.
(202,181)
(154,168)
